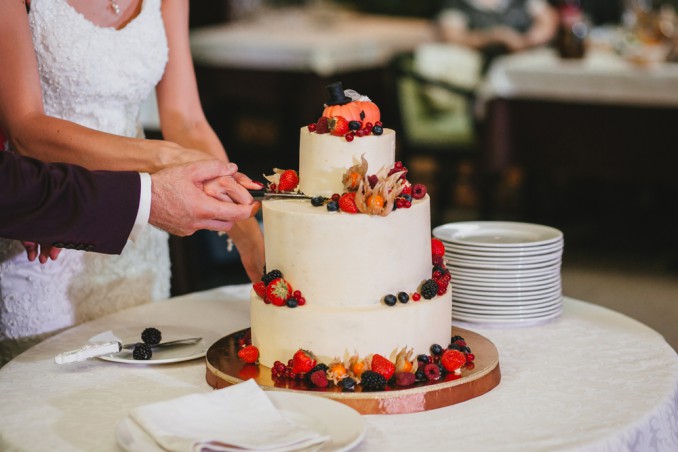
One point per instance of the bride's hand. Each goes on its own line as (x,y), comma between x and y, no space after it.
(42,252)
(232,188)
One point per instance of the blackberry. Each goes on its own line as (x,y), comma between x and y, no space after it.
(455,347)
(348,384)
(372,381)
(270,276)
(142,351)
(429,289)
(317,201)
(456,338)
(390,300)
(151,336)
(403,297)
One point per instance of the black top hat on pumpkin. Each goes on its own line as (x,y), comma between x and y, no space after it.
(337,96)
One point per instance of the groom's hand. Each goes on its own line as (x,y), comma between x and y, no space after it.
(200,195)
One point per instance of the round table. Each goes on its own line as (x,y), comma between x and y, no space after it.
(592,379)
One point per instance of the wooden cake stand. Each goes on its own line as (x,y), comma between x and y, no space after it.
(224,368)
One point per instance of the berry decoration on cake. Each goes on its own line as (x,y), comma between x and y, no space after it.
(453,360)
(278,291)
(282,181)
(249,354)
(372,381)
(151,336)
(303,361)
(382,366)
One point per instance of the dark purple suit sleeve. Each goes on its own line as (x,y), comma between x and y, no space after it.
(66,205)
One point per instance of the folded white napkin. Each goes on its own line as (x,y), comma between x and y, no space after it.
(237,418)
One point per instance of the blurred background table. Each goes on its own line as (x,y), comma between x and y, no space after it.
(590,380)
(595,138)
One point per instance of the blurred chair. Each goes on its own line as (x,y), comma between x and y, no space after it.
(435,89)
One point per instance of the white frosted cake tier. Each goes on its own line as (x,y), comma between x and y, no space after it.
(337,331)
(339,259)
(324,158)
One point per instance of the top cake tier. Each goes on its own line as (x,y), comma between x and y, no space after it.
(324,158)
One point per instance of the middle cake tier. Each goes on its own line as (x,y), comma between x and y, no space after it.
(339,259)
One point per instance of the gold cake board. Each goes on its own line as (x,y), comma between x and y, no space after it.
(224,368)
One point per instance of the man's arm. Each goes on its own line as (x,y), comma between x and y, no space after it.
(66,206)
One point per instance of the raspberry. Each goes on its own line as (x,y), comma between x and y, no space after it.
(404,378)
(429,289)
(372,179)
(418,191)
(319,378)
(151,336)
(372,381)
(432,372)
(321,125)
(142,351)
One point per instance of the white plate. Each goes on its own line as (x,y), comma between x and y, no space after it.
(460,259)
(506,319)
(501,252)
(464,265)
(344,425)
(160,356)
(508,310)
(513,303)
(480,298)
(497,233)
(504,291)
(502,273)
(519,281)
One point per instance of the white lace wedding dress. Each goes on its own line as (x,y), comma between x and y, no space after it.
(96,77)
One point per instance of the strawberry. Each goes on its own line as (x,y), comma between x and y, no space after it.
(260,289)
(303,361)
(437,248)
(278,291)
(338,126)
(288,180)
(383,366)
(249,354)
(347,203)
(321,125)
(452,360)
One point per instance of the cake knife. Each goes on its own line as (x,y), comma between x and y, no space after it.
(106,348)
(262,195)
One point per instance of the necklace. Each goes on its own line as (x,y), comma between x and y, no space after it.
(115,6)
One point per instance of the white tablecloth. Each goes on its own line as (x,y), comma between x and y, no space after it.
(601,77)
(590,380)
(294,40)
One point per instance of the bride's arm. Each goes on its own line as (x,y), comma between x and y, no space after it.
(35,134)
(183,121)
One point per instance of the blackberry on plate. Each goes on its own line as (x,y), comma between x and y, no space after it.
(372,381)
(429,289)
(270,276)
(142,352)
(151,336)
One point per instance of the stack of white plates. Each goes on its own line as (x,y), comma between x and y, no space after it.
(503,272)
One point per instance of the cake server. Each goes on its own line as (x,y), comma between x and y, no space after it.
(262,195)
(106,348)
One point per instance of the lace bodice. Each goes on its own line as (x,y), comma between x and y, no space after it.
(96,77)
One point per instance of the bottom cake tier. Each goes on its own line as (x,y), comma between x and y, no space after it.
(224,368)
(340,332)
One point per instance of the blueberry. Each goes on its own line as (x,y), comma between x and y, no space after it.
(377,130)
(390,300)
(354,125)
(317,201)
(424,358)
(332,206)
(292,302)
(403,297)
(407,196)
(348,384)
(419,375)
(436,349)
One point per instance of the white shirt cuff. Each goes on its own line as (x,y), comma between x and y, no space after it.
(144,207)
